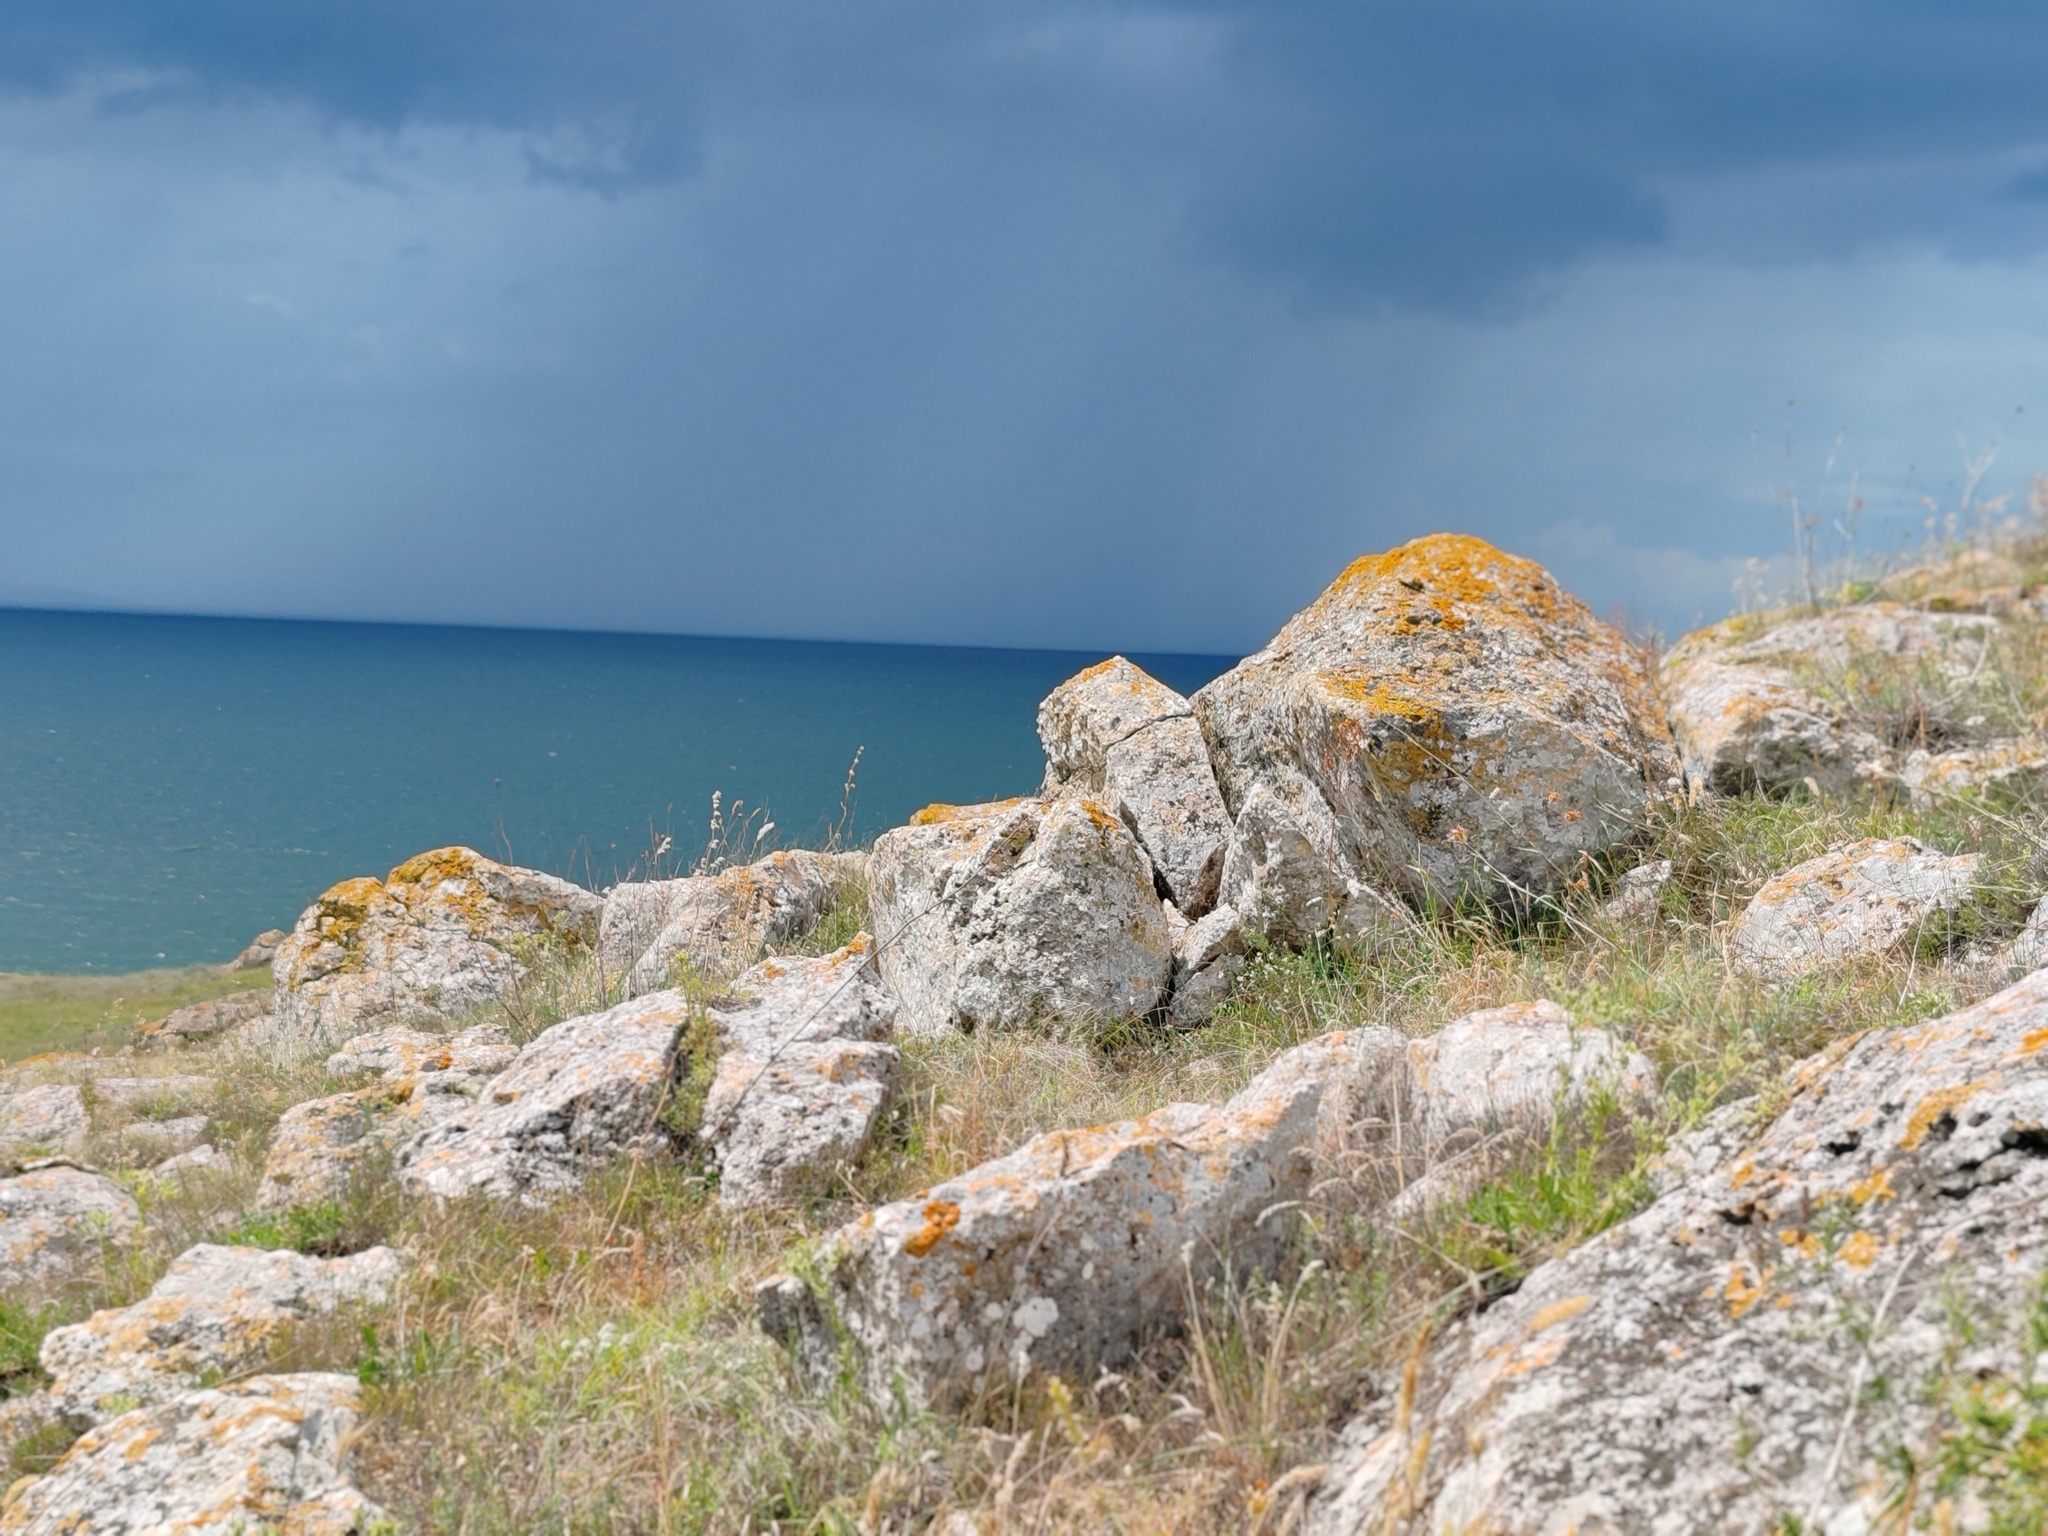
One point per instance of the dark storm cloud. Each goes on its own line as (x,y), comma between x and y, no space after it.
(1437,154)
(1024,323)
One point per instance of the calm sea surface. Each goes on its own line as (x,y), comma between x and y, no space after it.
(169,787)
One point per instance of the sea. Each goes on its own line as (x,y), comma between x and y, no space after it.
(170,786)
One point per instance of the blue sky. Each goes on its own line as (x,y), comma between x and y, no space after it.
(1023,324)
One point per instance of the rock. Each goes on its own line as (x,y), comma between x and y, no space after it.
(803,1081)
(1637,896)
(43,1122)
(444,932)
(201,1021)
(1018,913)
(200,1162)
(260,953)
(1444,719)
(1756,705)
(1930,777)
(958,1290)
(718,923)
(1515,1065)
(1501,1073)
(149,1142)
(214,1313)
(1117,735)
(1861,899)
(319,1149)
(395,1054)
(2029,948)
(1744,728)
(1974,581)
(55,1220)
(146,1094)
(1208,957)
(266,1454)
(1765,1342)
(584,1092)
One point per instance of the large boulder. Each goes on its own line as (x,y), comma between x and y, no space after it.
(1122,737)
(1444,719)
(581,1094)
(1757,705)
(804,1076)
(444,932)
(50,1121)
(958,1290)
(55,1223)
(269,1453)
(1864,898)
(1775,1340)
(215,1312)
(718,924)
(1018,912)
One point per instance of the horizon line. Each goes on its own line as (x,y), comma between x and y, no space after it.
(187,616)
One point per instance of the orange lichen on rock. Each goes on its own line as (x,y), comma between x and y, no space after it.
(940,1217)
(934,814)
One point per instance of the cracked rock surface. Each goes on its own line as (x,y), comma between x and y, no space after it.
(1017,913)
(1710,1366)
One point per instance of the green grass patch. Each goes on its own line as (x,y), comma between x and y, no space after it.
(44,1012)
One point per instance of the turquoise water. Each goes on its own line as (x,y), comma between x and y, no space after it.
(171,786)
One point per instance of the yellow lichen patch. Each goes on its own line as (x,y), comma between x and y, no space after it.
(454,863)
(938,812)
(1930,1110)
(1744,1288)
(1860,1251)
(940,1217)
(1534,1357)
(1878,1186)
(2031,1042)
(1559,1312)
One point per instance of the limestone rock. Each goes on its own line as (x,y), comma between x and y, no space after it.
(718,923)
(2029,948)
(1863,898)
(1744,728)
(201,1163)
(49,1121)
(320,1148)
(1637,896)
(803,1079)
(1756,705)
(1208,957)
(1118,735)
(260,952)
(443,932)
(584,1092)
(1015,913)
(202,1021)
(395,1054)
(1444,718)
(1498,1074)
(54,1222)
(1515,1064)
(1931,777)
(141,1095)
(266,1454)
(1712,1365)
(959,1290)
(147,1143)
(214,1313)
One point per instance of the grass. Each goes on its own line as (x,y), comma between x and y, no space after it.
(40,1013)
(594,1366)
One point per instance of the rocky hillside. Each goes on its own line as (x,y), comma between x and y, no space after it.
(1458,1072)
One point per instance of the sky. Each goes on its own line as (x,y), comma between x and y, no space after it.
(1026,324)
